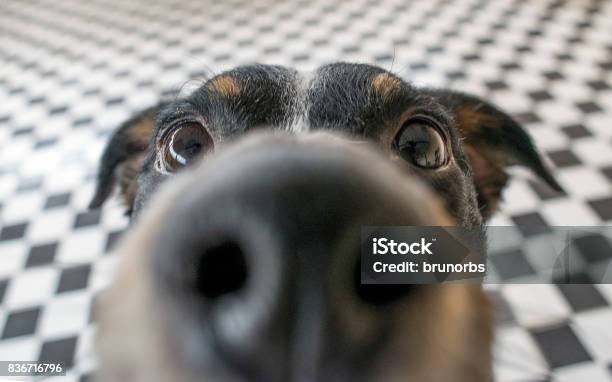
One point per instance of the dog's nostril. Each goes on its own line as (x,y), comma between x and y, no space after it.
(380,295)
(222,270)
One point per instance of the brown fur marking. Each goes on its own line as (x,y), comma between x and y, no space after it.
(141,131)
(225,85)
(128,175)
(385,84)
(470,119)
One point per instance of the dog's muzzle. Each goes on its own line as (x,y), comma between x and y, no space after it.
(254,256)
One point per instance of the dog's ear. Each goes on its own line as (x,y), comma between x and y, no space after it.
(123,158)
(492,141)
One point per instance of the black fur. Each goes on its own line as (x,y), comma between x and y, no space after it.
(339,98)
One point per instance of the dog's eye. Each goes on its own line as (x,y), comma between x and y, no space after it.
(421,144)
(185,144)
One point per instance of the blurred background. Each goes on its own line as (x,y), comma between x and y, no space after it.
(73,70)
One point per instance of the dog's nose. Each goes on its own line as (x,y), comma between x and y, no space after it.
(258,256)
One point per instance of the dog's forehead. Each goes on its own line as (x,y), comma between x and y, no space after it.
(332,96)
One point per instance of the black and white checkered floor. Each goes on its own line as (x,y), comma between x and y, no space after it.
(72,70)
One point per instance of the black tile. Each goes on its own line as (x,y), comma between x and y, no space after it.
(116,100)
(534,33)
(122,74)
(594,247)
(91,92)
(58,110)
(530,224)
(82,121)
(588,107)
(419,66)
(3,286)
(17,90)
(45,143)
(553,75)
(510,66)
(60,351)
(543,191)
(245,42)
(36,100)
(48,73)
(111,240)
(603,208)
(496,85)
(599,85)
(21,323)
(29,184)
(433,49)
(575,40)
(169,93)
(41,254)
(606,65)
(560,346)
(540,95)
(15,231)
(607,171)
(471,57)
(501,308)
(23,131)
(511,264)
(523,48)
(485,41)
(383,58)
(57,200)
(582,297)
(93,309)
(300,57)
(527,117)
(576,131)
(272,50)
(222,57)
(572,278)
(563,158)
(87,219)
(74,278)
(455,75)
(69,81)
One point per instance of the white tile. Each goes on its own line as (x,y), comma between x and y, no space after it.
(569,212)
(52,225)
(583,372)
(516,356)
(103,272)
(536,304)
(20,349)
(65,315)
(584,182)
(595,331)
(81,246)
(13,256)
(519,197)
(22,207)
(32,287)
(593,151)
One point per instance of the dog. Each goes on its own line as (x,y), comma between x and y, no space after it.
(242,266)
